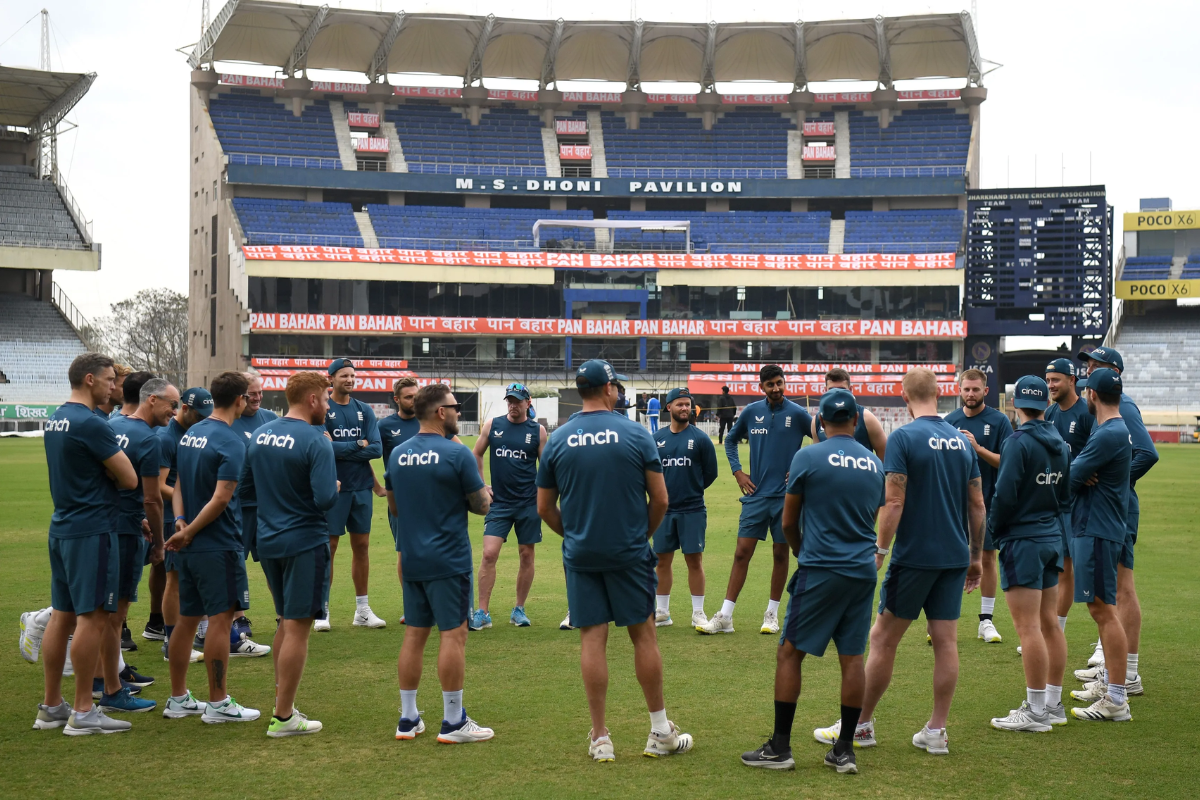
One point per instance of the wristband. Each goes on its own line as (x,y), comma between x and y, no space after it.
(881,551)
(177,519)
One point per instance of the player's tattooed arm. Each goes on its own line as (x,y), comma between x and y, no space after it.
(480,501)
(893,507)
(977,517)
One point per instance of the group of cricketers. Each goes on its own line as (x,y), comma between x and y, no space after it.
(958,502)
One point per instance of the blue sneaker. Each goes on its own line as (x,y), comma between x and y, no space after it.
(131,676)
(124,701)
(518,617)
(409,729)
(98,687)
(480,620)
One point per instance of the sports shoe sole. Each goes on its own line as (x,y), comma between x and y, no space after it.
(780,765)
(69,731)
(357,624)
(831,742)
(472,740)
(1049,726)
(259,654)
(1127,718)
(518,624)
(666,623)
(407,736)
(843,769)
(707,632)
(284,734)
(168,714)
(685,744)
(154,636)
(767,630)
(219,720)
(115,710)
(44,725)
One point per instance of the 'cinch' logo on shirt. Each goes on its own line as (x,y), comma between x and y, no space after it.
(347,433)
(122,440)
(411,459)
(275,440)
(58,426)
(508,452)
(939,443)
(1049,478)
(683,461)
(840,459)
(581,439)
(193,441)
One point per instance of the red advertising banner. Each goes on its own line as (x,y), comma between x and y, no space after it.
(277,383)
(930,94)
(623,328)
(426,91)
(371,144)
(672,99)
(589,97)
(818,129)
(570,127)
(817,377)
(358,373)
(852,368)
(362,119)
(251,81)
(697,385)
(558,260)
(824,153)
(842,97)
(513,94)
(753,99)
(334,87)
(286,362)
(575,152)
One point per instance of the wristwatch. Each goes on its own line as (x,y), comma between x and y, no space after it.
(881,551)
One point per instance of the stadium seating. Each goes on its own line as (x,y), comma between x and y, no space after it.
(32,212)
(770,232)
(932,231)
(295,222)
(1191,267)
(674,144)
(439,139)
(261,130)
(36,349)
(1161,351)
(920,142)
(445,228)
(1147,268)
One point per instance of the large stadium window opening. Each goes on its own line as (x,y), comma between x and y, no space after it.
(676,204)
(357,199)
(600,206)
(434,199)
(838,206)
(517,201)
(760,204)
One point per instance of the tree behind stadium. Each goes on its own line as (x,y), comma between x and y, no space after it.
(148,331)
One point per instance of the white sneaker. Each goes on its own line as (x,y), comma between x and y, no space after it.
(864,734)
(698,619)
(228,711)
(1097,658)
(1103,710)
(1018,649)
(93,721)
(249,649)
(669,743)
(988,632)
(1090,674)
(566,625)
(1134,687)
(30,641)
(662,619)
(1023,719)
(718,624)
(935,743)
(1091,692)
(601,749)
(321,624)
(189,706)
(770,622)
(196,657)
(364,617)
(297,725)
(468,731)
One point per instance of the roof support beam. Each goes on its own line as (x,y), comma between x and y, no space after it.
(800,81)
(975,61)
(710,55)
(475,68)
(209,37)
(634,80)
(885,58)
(548,76)
(300,51)
(380,60)
(48,120)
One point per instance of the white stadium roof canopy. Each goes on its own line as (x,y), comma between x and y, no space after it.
(299,37)
(37,99)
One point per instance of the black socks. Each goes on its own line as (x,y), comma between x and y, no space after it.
(785,713)
(984,617)
(845,739)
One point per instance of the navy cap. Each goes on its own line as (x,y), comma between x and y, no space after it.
(516,390)
(199,400)
(1105,355)
(1031,392)
(596,372)
(1063,366)
(675,394)
(837,405)
(1081,383)
(339,364)
(1104,380)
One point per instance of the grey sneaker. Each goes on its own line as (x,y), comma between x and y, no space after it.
(1056,714)
(49,717)
(185,706)
(85,723)
(1023,719)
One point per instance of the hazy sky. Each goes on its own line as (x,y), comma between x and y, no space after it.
(1080,82)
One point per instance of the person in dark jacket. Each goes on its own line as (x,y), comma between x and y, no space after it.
(726,411)
(1027,518)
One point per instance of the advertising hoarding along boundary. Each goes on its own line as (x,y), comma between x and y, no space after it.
(822,368)
(699,385)
(1157,290)
(286,362)
(560,260)
(381,325)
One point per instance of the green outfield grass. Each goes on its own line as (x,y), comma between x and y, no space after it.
(525,683)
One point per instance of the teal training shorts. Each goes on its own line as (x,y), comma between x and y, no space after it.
(212,582)
(681,532)
(907,591)
(760,515)
(300,583)
(825,606)
(84,573)
(1030,563)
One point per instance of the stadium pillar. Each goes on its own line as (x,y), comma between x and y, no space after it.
(632,103)
(475,96)
(205,81)
(884,101)
(708,103)
(801,103)
(972,97)
(549,101)
(297,89)
(380,93)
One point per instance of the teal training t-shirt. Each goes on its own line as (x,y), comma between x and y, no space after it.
(990,428)
(77,443)
(245,426)
(842,486)
(347,426)
(597,461)
(512,453)
(168,448)
(1101,510)
(775,434)
(940,464)
(1074,425)
(209,452)
(689,465)
(431,477)
(396,429)
(290,474)
(142,445)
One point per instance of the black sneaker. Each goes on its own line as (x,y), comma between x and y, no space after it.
(131,676)
(842,763)
(198,644)
(765,757)
(127,643)
(242,625)
(155,632)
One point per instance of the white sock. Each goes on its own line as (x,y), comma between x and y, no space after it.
(1116,691)
(1053,694)
(727,608)
(360,600)
(772,606)
(1062,624)
(658,721)
(987,605)
(121,661)
(408,704)
(202,630)
(664,602)
(179,698)
(1036,699)
(452,709)
(1131,668)
(698,603)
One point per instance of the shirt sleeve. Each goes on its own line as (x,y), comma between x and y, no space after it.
(166,452)
(974,464)
(374,448)
(149,460)
(468,470)
(1145,455)
(1088,461)
(649,452)
(232,458)
(99,438)
(322,473)
(737,432)
(896,455)
(545,475)
(797,473)
(1006,494)
(708,457)
(246,491)
(1003,431)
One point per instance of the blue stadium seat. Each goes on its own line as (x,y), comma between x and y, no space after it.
(259,130)
(296,222)
(674,145)
(931,231)
(439,139)
(919,142)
